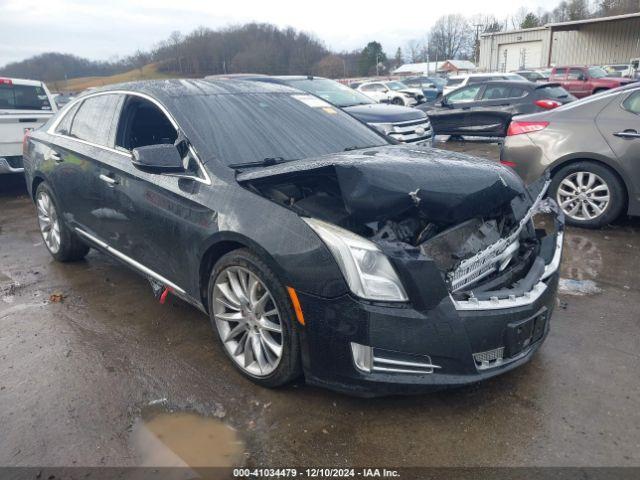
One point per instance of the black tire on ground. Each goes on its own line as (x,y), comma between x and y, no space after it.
(397,101)
(598,90)
(289,367)
(72,248)
(617,192)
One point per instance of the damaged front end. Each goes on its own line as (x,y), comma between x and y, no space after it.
(449,274)
(470,218)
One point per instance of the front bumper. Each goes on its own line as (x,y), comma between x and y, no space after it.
(11,164)
(443,336)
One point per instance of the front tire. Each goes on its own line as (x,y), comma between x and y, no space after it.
(250,310)
(589,194)
(397,101)
(63,244)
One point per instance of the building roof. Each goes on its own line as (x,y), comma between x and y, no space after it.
(433,67)
(462,64)
(573,25)
(421,67)
(577,23)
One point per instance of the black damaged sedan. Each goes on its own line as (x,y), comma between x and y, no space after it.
(315,246)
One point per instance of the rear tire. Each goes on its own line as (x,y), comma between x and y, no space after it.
(397,101)
(63,244)
(260,340)
(590,194)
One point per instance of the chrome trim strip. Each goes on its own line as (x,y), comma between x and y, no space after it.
(130,261)
(400,363)
(51,131)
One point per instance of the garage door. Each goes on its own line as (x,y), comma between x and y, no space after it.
(516,56)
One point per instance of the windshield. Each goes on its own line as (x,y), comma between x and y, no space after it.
(597,72)
(396,86)
(250,127)
(23,97)
(332,92)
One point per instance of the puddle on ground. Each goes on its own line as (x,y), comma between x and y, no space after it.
(570,286)
(184,439)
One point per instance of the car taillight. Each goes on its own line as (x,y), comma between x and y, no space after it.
(5,81)
(547,104)
(518,128)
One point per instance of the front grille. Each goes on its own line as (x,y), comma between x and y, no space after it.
(496,256)
(411,131)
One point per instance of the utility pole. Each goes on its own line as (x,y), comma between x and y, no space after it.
(478,26)
(377,64)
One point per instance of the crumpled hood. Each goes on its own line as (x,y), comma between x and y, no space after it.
(384,113)
(380,182)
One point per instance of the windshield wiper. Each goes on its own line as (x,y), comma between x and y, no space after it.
(265,162)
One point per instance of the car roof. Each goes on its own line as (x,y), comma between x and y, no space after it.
(165,89)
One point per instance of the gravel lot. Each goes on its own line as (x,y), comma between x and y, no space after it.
(93,371)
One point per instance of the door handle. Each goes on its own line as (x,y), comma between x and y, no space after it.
(108,179)
(55,156)
(627,134)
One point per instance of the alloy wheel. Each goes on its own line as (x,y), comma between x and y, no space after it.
(48,221)
(248,321)
(583,196)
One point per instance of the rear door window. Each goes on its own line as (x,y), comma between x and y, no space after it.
(517,92)
(495,92)
(23,97)
(632,103)
(95,119)
(553,92)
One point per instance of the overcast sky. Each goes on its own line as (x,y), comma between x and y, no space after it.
(105,29)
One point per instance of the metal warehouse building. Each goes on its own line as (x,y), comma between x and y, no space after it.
(597,41)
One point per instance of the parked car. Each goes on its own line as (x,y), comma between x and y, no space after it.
(485,109)
(532,75)
(393,91)
(403,124)
(314,245)
(584,81)
(431,87)
(591,149)
(458,81)
(24,105)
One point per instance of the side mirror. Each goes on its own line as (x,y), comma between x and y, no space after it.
(162,158)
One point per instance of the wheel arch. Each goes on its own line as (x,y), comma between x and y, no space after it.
(38,178)
(222,243)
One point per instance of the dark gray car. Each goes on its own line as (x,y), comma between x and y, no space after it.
(485,109)
(592,149)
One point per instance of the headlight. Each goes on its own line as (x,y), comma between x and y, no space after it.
(366,269)
(385,128)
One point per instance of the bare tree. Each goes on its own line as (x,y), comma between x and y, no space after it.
(450,37)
